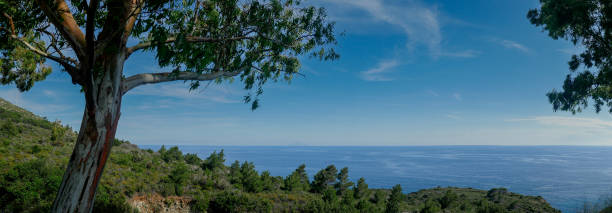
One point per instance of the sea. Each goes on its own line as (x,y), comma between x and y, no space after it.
(566,176)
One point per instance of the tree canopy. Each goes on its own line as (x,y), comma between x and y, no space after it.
(587,23)
(199,40)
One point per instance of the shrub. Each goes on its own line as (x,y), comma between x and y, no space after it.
(111,202)
(177,178)
(173,154)
(215,160)
(29,187)
(57,132)
(297,180)
(192,159)
(448,199)
(324,178)
(237,202)
(431,206)
(9,129)
(394,200)
(200,203)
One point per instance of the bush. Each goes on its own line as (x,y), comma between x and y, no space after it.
(448,199)
(237,202)
(297,180)
(29,187)
(431,206)
(324,179)
(192,159)
(111,202)
(173,154)
(58,132)
(177,178)
(200,203)
(9,129)
(394,200)
(215,160)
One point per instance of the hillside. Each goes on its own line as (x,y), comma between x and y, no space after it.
(34,152)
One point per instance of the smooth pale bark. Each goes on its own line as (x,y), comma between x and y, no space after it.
(78,189)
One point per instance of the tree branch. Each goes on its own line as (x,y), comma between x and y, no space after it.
(10,19)
(194,39)
(129,12)
(72,70)
(152,78)
(90,27)
(59,14)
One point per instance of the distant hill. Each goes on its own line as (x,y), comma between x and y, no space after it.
(35,151)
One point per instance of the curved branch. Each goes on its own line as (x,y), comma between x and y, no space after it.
(194,39)
(72,70)
(59,14)
(152,78)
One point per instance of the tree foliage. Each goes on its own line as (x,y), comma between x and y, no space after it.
(324,179)
(199,40)
(297,180)
(587,23)
(393,203)
(214,160)
(343,184)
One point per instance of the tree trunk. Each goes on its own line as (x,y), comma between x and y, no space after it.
(103,103)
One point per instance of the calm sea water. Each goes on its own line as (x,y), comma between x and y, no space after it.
(566,176)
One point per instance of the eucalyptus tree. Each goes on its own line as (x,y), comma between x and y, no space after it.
(253,41)
(587,23)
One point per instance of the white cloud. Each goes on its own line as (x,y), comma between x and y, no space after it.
(419,22)
(457,96)
(576,122)
(378,73)
(513,45)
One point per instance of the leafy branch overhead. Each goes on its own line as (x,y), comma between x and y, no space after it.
(200,40)
(587,23)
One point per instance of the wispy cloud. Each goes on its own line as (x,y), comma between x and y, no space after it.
(378,73)
(418,21)
(513,45)
(592,123)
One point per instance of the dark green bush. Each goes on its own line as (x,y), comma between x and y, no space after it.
(237,202)
(29,187)
(192,159)
(215,160)
(111,202)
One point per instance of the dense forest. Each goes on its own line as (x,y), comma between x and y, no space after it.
(35,152)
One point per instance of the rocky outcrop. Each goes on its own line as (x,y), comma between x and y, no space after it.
(155,203)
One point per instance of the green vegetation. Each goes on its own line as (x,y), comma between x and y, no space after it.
(587,25)
(34,157)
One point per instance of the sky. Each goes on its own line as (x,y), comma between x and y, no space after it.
(410,73)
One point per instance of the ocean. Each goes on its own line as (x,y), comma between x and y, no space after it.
(566,176)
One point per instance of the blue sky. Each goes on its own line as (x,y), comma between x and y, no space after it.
(410,73)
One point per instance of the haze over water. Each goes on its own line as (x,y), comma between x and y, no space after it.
(566,176)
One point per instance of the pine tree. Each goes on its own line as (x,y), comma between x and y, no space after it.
(324,179)
(343,183)
(393,203)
